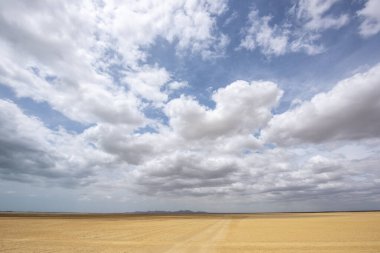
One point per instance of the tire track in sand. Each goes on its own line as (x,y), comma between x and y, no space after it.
(205,241)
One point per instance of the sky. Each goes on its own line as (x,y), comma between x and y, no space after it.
(209,105)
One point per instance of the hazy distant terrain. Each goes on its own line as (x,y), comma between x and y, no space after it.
(280,232)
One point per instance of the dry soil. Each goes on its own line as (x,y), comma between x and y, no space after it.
(281,232)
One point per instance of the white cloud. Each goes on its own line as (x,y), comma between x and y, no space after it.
(177,85)
(306,42)
(30,151)
(228,163)
(241,107)
(58,64)
(370,16)
(272,175)
(67,55)
(128,147)
(191,25)
(300,32)
(189,173)
(207,151)
(147,82)
(272,40)
(350,111)
(315,15)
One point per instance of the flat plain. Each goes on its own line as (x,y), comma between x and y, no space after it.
(226,233)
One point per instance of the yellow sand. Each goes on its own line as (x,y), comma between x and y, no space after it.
(290,233)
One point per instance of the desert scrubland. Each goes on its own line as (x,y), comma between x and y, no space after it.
(280,232)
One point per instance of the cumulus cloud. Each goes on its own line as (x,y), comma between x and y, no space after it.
(148,82)
(184,159)
(176,85)
(184,172)
(349,111)
(194,26)
(22,142)
(240,107)
(233,138)
(300,32)
(30,151)
(370,16)
(229,163)
(57,65)
(120,141)
(91,40)
(272,175)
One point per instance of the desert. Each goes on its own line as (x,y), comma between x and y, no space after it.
(225,233)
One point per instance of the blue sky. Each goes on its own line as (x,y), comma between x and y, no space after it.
(205,105)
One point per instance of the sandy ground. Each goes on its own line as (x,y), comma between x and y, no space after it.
(285,233)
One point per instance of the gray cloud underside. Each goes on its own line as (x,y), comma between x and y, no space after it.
(30,152)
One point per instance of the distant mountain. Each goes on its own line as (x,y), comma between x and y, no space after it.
(169,212)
